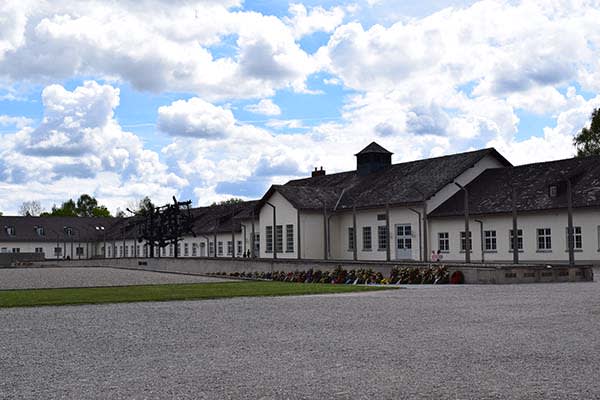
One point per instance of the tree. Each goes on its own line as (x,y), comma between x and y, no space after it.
(587,141)
(233,200)
(30,208)
(86,206)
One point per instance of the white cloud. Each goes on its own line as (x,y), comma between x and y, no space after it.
(304,22)
(19,122)
(196,118)
(79,147)
(167,50)
(264,107)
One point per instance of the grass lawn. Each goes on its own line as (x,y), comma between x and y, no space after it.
(196,291)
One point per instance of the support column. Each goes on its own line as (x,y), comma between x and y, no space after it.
(355,242)
(325,236)
(299,241)
(389,233)
(570,236)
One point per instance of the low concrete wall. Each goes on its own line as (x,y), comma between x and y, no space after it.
(473,273)
(14,259)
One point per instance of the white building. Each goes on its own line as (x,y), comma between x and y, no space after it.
(380,211)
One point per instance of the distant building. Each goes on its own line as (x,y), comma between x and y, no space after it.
(380,211)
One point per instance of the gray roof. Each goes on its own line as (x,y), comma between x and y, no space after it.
(83,228)
(399,184)
(490,192)
(374,148)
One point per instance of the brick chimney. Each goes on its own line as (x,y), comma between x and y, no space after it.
(320,172)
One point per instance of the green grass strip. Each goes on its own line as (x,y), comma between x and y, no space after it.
(196,291)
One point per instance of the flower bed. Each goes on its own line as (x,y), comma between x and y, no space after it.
(399,275)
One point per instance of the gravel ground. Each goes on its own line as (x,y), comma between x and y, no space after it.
(29,278)
(452,342)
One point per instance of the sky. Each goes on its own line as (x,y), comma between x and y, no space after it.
(213,99)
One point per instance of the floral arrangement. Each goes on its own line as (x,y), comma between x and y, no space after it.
(405,275)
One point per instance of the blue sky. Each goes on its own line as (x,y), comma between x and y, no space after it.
(208,100)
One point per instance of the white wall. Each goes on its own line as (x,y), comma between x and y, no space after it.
(285,214)
(398,215)
(48,248)
(588,220)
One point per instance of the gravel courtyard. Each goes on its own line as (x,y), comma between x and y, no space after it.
(452,342)
(29,278)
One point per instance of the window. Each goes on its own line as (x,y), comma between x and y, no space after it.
(289,238)
(577,239)
(194,249)
(366,238)
(109,249)
(178,249)
(256,244)
(126,253)
(279,238)
(164,251)
(544,239)
(186,249)
(57,251)
(79,251)
(382,237)
(381,217)
(40,231)
(145,250)
(463,242)
(519,239)
(171,248)
(211,249)
(16,250)
(39,250)
(351,239)
(229,247)
(269,239)
(220,248)
(10,230)
(444,241)
(490,240)
(121,251)
(138,250)
(68,231)
(239,247)
(552,190)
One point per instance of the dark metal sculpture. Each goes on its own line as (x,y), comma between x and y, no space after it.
(165,225)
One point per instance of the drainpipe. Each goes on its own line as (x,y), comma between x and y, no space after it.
(515,238)
(467,231)
(481,239)
(570,236)
(420,243)
(355,242)
(252,239)
(298,234)
(388,255)
(244,232)
(425,225)
(273,238)
(232,236)
(325,234)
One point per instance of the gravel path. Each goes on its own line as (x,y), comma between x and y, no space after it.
(460,342)
(29,278)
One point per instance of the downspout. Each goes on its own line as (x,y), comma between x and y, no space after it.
(327,230)
(298,234)
(355,242)
(420,231)
(570,236)
(481,238)
(252,239)
(467,231)
(388,254)
(515,238)
(274,236)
